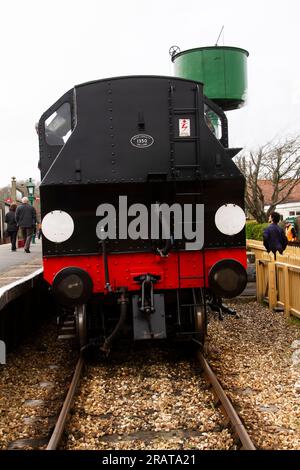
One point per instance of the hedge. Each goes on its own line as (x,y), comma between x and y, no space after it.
(254,231)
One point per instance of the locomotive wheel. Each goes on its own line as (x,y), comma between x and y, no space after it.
(200,324)
(81,330)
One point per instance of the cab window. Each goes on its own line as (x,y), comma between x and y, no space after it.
(213,122)
(58,126)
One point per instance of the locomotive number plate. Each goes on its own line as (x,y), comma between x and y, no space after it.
(142,141)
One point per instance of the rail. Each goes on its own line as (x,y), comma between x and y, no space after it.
(237,426)
(63,416)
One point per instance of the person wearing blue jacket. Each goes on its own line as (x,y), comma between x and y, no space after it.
(274,238)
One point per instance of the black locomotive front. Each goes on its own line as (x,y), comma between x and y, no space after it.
(153,141)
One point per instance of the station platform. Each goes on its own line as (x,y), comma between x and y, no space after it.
(16,265)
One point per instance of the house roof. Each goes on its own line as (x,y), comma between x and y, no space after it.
(267,188)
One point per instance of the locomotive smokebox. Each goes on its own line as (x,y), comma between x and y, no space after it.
(222,69)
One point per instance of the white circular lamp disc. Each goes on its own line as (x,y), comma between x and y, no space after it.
(230,219)
(57,226)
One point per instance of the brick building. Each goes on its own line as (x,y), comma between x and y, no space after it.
(290,208)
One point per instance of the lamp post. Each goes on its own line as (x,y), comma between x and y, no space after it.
(30,189)
(13,193)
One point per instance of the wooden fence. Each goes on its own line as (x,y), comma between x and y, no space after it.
(278,281)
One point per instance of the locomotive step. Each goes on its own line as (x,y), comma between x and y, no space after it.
(68,323)
(69,329)
(63,337)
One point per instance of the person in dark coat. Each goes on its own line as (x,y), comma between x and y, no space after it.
(26,219)
(274,237)
(12,228)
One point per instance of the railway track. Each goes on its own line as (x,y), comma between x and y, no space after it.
(110,439)
(64,413)
(228,410)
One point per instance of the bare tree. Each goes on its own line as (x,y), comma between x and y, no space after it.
(277,163)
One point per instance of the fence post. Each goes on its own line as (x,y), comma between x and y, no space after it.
(286,291)
(272,284)
(259,282)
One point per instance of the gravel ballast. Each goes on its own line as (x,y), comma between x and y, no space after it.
(147,399)
(33,385)
(253,359)
(151,400)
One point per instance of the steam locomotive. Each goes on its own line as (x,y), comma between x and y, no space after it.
(142,209)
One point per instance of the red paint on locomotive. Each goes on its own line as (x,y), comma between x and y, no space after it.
(177,270)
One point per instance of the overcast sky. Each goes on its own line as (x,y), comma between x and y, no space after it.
(47,47)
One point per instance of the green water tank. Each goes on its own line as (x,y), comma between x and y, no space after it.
(222,69)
